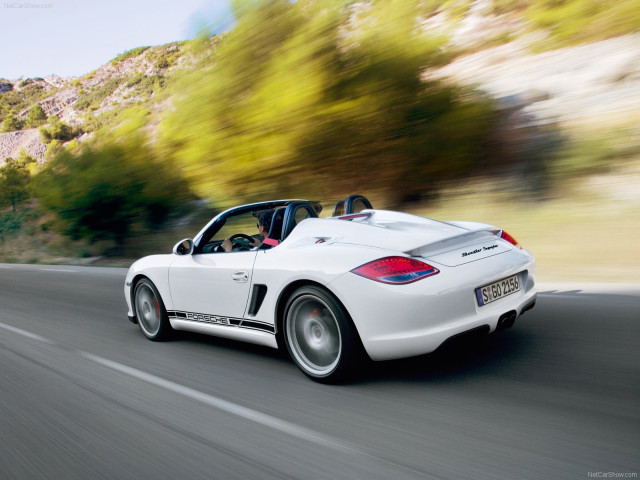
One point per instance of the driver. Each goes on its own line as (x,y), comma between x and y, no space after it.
(264,224)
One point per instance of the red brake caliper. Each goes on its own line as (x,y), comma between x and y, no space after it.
(155,304)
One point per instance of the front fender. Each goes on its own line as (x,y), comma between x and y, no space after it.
(156,269)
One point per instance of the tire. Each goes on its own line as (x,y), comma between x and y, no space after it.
(150,311)
(320,336)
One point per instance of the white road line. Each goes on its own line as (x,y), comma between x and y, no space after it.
(59,270)
(224,405)
(24,333)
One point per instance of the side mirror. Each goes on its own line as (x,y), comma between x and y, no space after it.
(183,247)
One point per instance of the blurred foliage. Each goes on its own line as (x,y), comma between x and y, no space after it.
(54,148)
(594,152)
(571,22)
(15,176)
(576,21)
(108,191)
(12,221)
(107,118)
(140,88)
(455,8)
(313,98)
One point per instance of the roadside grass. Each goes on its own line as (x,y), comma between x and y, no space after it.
(588,232)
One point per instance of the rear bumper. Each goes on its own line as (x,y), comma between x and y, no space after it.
(397,321)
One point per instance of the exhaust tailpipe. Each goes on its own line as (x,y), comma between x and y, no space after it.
(506,320)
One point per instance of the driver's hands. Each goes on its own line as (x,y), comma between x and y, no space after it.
(226,245)
(255,242)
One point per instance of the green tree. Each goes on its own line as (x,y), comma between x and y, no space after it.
(54,148)
(57,130)
(12,122)
(14,182)
(109,191)
(24,159)
(36,116)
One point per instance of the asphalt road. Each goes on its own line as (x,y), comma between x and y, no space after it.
(83,395)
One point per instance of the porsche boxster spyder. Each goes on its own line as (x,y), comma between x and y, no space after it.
(333,291)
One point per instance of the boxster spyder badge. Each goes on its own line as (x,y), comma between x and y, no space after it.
(333,291)
(478,250)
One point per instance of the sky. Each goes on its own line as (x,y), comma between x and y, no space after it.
(71,38)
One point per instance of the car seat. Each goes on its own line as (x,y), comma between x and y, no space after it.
(275,231)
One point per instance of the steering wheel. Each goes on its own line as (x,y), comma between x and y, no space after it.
(243,236)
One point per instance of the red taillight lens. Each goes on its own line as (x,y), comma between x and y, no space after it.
(505,236)
(395,270)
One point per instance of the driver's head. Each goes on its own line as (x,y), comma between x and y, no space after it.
(264,221)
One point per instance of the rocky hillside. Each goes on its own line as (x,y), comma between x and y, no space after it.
(586,84)
(131,78)
(11,143)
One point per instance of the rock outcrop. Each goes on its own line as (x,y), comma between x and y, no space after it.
(12,142)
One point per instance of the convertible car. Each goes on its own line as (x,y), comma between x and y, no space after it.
(334,291)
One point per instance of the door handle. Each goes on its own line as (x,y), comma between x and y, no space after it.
(240,277)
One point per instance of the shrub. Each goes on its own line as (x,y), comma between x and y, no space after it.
(5,85)
(96,95)
(58,130)
(129,54)
(165,56)
(14,180)
(105,193)
(136,79)
(12,123)
(36,116)
(54,148)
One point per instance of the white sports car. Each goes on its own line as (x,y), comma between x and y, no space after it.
(333,291)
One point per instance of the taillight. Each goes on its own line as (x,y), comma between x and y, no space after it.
(395,270)
(505,236)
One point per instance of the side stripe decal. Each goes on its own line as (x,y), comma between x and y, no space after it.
(220,320)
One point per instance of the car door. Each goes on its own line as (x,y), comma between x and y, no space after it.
(212,284)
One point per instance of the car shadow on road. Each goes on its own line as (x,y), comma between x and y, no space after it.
(462,358)
(230,346)
(465,357)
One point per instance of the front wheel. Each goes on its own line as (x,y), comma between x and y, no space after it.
(150,311)
(320,337)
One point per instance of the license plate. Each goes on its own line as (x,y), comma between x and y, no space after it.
(497,290)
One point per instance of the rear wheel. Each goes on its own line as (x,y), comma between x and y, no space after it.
(150,311)
(320,337)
